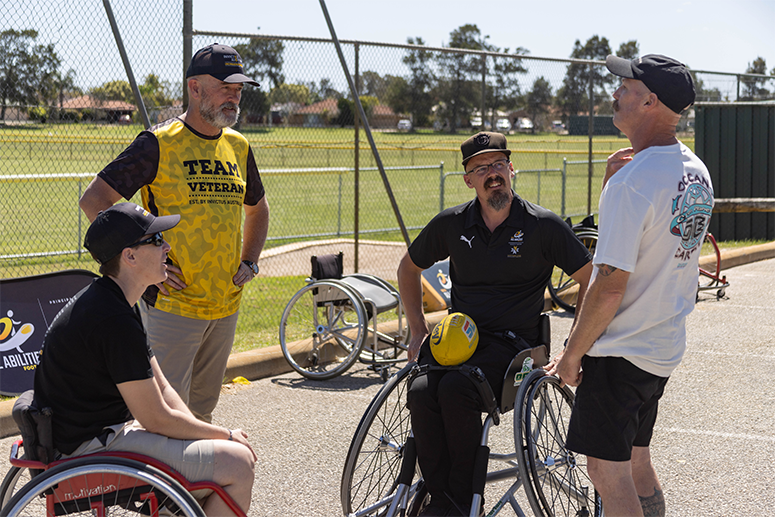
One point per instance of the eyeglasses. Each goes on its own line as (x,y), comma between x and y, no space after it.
(499,166)
(157,239)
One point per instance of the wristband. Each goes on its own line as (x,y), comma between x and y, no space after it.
(231,436)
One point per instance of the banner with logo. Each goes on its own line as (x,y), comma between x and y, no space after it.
(436,287)
(28,305)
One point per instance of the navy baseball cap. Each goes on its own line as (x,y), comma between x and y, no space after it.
(483,142)
(220,61)
(120,226)
(669,79)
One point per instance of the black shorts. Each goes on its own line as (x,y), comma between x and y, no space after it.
(615,408)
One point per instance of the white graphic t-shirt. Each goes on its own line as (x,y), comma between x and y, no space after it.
(654,214)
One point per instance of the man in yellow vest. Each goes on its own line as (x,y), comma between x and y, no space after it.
(197,167)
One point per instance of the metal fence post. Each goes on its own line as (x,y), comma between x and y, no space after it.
(564,179)
(127,66)
(441,186)
(357,163)
(188,27)
(339,210)
(538,188)
(78,244)
(366,126)
(484,88)
(591,130)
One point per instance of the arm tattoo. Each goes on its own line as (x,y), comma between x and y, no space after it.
(605,269)
(653,505)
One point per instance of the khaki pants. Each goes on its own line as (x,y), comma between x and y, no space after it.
(194,459)
(192,354)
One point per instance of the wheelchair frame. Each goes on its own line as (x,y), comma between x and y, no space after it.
(381,477)
(713,281)
(333,321)
(92,483)
(561,285)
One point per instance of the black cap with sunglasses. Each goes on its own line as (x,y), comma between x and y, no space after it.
(123,226)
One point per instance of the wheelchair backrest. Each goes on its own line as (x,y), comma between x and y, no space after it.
(36,428)
(519,368)
(526,361)
(328,266)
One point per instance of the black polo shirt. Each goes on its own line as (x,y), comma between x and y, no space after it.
(499,278)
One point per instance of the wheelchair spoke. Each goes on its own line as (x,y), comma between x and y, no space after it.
(558,475)
(322,329)
(377,452)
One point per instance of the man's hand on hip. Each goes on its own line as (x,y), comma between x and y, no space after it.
(243,276)
(174,280)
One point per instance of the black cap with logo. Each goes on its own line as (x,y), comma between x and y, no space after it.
(220,61)
(669,79)
(120,226)
(483,142)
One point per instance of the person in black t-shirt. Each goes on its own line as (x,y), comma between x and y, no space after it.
(502,250)
(99,376)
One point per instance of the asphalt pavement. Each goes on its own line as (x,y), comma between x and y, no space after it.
(713,446)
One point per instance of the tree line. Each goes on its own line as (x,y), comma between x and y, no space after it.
(438,88)
(32,80)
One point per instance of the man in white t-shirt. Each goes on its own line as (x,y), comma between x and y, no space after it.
(630,333)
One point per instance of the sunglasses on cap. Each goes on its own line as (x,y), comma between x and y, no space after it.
(157,239)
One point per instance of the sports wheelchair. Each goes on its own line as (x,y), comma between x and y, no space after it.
(381,477)
(94,485)
(333,321)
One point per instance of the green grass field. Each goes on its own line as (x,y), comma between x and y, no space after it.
(43,228)
(40,213)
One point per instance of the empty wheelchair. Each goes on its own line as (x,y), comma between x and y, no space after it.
(381,477)
(95,485)
(335,320)
(562,288)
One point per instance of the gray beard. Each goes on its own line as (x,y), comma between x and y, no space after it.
(216,117)
(499,200)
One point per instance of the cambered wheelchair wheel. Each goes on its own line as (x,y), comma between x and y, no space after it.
(561,285)
(14,479)
(556,480)
(377,450)
(102,486)
(323,329)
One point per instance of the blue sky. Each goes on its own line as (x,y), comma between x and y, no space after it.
(711,35)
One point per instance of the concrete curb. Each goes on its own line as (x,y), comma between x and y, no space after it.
(269,361)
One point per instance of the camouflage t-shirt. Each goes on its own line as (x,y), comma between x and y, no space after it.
(206,180)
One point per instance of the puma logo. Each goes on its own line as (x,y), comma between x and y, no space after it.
(467,241)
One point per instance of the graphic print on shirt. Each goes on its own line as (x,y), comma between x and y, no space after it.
(515,242)
(692,211)
(214,182)
(466,240)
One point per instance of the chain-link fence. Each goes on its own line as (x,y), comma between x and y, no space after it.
(69,107)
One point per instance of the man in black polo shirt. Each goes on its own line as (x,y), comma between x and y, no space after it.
(502,250)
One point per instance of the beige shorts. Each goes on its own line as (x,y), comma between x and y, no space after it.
(194,459)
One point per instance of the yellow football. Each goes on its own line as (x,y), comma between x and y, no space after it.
(454,339)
